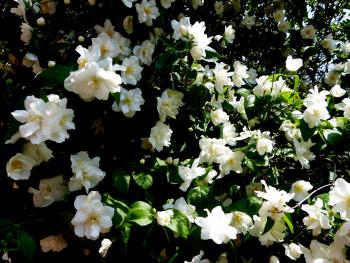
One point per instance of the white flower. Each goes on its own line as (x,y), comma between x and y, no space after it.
(26,35)
(229,34)
(105,245)
(86,172)
(293,64)
(344,106)
(197,3)
(50,190)
(20,10)
(166,3)
(328,43)
(278,15)
(38,152)
(216,226)
(276,202)
(241,221)
(168,103)
(128,3)
(343,233)
(290,130)
(332,78)
(160,136)
(19,167)
(308,32)
(300,190)
(337,91)
(274,259)
(198,258)
(303,152)
(313,115)
(189,210)
(219,7)
(251,76)
(200,40)
(264,144)
(106,45)
(181,28)
(128,24)
(319,252)
(283,26)
(164,217)
(240,73)
(219,116)
(92,82)
(53,243)
(188,174)
(31,60)
(123,44)
(108,28)
(87,55)
(130,102)
(230,161)
(317,218)
(222,76)
(248,21)
(92,217)
(211,150)
(339,198)
(132,73)
(144,52)
(293,251)
(229,133)
(147,11)
(345,47)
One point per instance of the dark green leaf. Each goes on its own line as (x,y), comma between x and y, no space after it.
(249,205)
(306,132)
(166,60)
(55,76)
(121,180)
(269,224)
(200,196)
(333,137)
(143,180)
(27,245)
(179,223)
(140,213)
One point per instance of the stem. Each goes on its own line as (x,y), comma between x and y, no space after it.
(318,189)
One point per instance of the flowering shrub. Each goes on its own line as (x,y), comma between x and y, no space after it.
(175,131)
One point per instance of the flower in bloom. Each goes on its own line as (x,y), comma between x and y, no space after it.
(278,15)
(132,73)
(168,103)
(333,78)
(241,221)
(181,28)
(181,205)
(160,136)
(198,258)
(248,21)
(31,60)
(217,226)
(50,190)
(229,34)
(200,40)
(320,252)
(130,102)
(328,43)
(211,150)
(337,91)
(86,172)
(187,174)
(219,7)
(317,218)
(300,189)
(147,11)
(239,73)
(290,130)
(293,251)
(105,44)
(219,116)
(308,32)
(303,152)
(339,198)
(230,161)
(144,52)
(54,243)
(26,35)
(314,114)
(274,259)
(166,3)
(38,152)
(222,76)
(92,82)
(19,167)
(128,3)
(344,106)
(276,202)
(92,217)
(229,133)
(293,64)
(264,144)
(283,26)
(105,245)
(164,217)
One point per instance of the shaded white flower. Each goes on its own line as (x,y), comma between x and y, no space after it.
(248,21)
(278,15)
(317,218)
(197,3)
(293,64)
(283,26)
(92,82)
(198,258)
(132,73)
(19,167)
(328,43)
(107,27)
(303,152)
(216,226)
(219,116)
(308,32)
(241,221)
(344,106)
(128,24)
(239,73)
(229,134)
(219,7)
(337,91)
(31,60)
(222,76)
(144,52)
(92,217)
(130,102)
(128,3)
(319,252)
(264,143)
(147,12)
(160,136)
(181,28)
(26,34)
(274,259)
(230,161)
(55,243)
(106,45)
(290,130)
(166,3)
(164,217)
(105,245)
(332,78)
(339,198)
(293,251)
(168,103)
(300,189)
(86,172)
(50,190)
(38,152)
(229,34)
(188,174)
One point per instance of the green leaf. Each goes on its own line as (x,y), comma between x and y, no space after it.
(121,181)
(306,132)
(120,212)
(6,226)
(143,180)
(116,97)
(291,98)
(126,231)
(288,219)
(324,197)
(140,213)
(296,82)
(166,60)
(249,205)
(27,245)
(333,137)
(269,224)
(179,223)
(200,196)
(55,76)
